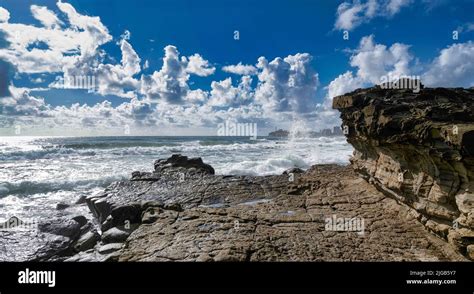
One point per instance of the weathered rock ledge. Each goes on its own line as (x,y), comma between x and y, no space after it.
(183,212)
(418,148)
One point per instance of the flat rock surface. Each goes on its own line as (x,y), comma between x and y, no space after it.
(289,225)
(242,218)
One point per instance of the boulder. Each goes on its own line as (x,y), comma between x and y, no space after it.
(81,200)
(115,235)
(87,241)
(62,206)
(61,226)
(109,248)
(80,219)
(180,161)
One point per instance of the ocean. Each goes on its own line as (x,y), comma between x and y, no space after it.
(36,173)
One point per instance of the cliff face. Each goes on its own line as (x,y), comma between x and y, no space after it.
(419,149)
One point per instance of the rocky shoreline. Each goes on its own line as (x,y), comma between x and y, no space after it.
(236,218)
(407,196)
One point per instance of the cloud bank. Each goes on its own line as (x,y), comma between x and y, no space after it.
(270,92)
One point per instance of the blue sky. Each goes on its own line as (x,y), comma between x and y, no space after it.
(269,29)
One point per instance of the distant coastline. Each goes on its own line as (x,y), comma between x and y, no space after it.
(280,133)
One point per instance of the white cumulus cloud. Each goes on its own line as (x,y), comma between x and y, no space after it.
(61,48)
(223,93)
(199,66)
(376,60)
(287,84)
(351,14)
(4,15)
(240,69)
(48,18)
(454,67)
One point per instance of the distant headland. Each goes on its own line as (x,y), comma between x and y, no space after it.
(280,133)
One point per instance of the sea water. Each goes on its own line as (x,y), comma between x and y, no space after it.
(36,173)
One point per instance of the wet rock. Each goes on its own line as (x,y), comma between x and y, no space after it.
(61,226)
(144,176)
(21,245)
(107,224)
(294,170)
(124,202)
(87,241)
(129,213)
(178,160)
(99,206)
(23,240)
(62,206)
(114,235)
(80,219)
(109,248)
(81,200)
(55,248)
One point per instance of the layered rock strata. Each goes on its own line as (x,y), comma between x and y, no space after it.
(418,148)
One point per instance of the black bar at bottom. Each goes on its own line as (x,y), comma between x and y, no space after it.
(207,275)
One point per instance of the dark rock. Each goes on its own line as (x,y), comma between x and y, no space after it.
(62,206)
(115,235)
(173,206)
(87,241)
(144,176)
(178,160)
(294,170)
(81,200)
(130,213)
(147,204)
(80,219)
(88,227)
(150,215)
(107,224)
(124,202)
(55,248)
(61,226)
(99,206)
(109,248)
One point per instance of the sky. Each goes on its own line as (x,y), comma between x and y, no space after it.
(182,67)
